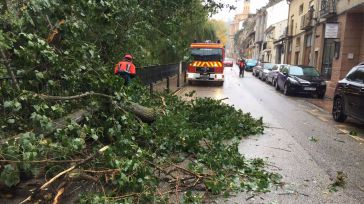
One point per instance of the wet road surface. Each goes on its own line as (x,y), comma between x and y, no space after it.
(301,142)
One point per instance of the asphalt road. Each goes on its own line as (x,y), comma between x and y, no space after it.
(301,142)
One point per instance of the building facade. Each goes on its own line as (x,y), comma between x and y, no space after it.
(237,25)
(326,34)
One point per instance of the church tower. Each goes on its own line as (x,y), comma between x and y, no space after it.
(246,10)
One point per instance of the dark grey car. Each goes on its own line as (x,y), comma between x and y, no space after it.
(349,96)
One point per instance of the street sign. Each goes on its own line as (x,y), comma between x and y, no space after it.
(331,30)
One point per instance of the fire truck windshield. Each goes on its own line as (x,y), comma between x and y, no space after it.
(206,54)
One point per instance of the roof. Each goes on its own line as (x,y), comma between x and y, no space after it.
(207,45)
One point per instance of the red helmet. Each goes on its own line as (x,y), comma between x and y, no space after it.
(128,56)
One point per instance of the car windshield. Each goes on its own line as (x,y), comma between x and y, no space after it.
(307,71)
(251,62)
(206,54)
(268,66)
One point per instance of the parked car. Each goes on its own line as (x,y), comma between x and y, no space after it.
(266,68)
(228,62)
(272,76)
(349,96)
(250,63)
(301,79)
(257,69)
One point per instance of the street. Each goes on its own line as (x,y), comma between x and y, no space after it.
(301,142)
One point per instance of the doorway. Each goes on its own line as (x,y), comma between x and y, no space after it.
(329,52)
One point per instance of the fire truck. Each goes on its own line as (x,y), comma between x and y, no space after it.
(207,62)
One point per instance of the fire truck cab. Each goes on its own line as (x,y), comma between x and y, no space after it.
(207,62)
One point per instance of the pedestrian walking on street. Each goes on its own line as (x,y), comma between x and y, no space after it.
(241,67)
(125,68)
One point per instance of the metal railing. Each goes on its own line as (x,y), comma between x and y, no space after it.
(328,8)
(148,76)
(153,74)
(306,20)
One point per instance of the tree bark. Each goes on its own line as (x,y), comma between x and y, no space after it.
(147,115)
(76,116)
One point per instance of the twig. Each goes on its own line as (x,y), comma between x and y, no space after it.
(58,196)
(63,173)
(160,169)
(186,170)
(278,148)
(360,188)
(250,197)
(293,193)
(49,23)
(102,171)
(41,161)
(10,72)
(274,166)
(47,97)
(164,105)
(177,194)
(224,99)
(339,140)
(123,196)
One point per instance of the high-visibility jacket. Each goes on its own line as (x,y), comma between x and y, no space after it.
(124,66)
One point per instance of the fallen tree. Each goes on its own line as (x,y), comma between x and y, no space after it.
(182,152)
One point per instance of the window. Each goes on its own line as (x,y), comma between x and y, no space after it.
(301,9)
(357,75)
(267,66)
(309,40)
(295,71)
(206,54)
(282,67)
(298,42)
(289,46)
(275,67)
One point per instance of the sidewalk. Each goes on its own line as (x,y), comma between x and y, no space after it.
(325,104)
(350,127)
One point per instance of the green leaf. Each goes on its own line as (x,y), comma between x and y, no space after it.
(10,176)
(11,121)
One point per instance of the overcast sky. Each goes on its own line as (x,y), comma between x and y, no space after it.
(227,15)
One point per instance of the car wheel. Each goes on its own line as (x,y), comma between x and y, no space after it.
(276,85)
(286,90)
(273,82)
(338,112)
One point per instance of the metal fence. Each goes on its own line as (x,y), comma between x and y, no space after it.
(148,75)
(153,74)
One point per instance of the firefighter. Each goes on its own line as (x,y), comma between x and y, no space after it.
(126,68)
(241,67)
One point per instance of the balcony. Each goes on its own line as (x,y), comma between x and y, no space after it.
(328,8)
(306,20)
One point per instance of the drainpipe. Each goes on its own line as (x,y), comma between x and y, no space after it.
(315,18)
(286,44)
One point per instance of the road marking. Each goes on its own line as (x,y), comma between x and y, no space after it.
(322,118)
(357,138)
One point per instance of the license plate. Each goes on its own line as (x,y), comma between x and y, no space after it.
(205,77)
(310,88)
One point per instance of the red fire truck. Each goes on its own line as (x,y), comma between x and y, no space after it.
(207,62)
